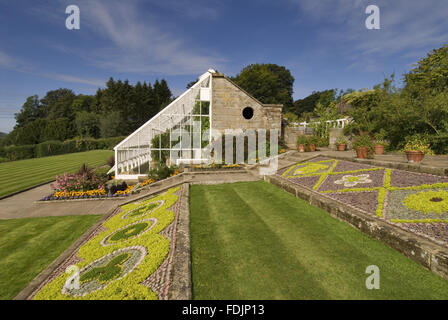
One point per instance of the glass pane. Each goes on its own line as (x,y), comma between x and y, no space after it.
(205,107)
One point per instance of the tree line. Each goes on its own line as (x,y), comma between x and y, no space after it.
(417,108)
(116,110)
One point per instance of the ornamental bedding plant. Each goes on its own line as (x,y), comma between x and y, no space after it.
(122,260)
(86,183)
(77,182)
(403,198)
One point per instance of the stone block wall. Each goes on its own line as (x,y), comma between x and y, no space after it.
(290,136)
(334,134)
(228,102)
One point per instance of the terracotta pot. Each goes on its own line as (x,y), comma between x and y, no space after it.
(342,147)
(312,147)
(301,147)
(379,149)
(362,152)
(415,156)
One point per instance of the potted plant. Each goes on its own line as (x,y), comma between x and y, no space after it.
(313,141)
(364,146)
(302,141)
(380,142)
(416,147)
(341,143)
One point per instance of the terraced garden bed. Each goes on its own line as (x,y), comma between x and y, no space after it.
(127,257)
(416,202)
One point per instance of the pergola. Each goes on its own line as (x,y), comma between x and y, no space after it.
(177,134)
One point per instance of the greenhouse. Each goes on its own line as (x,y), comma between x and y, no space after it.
(172,136)
(183,132)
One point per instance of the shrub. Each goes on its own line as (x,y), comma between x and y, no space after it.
(49,148)
(3,159)
(13,153)
(302,139)
(314,140)
(111,161)
(161,172)
(85,179)
(108,143)
(115,186)
(101,172)
(323,141)
(439,144)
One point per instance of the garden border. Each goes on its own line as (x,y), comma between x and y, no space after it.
(26,292)
(424,251)
(180,277)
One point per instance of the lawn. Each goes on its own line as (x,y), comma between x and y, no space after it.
(20,175)
(29,245)
(253,240)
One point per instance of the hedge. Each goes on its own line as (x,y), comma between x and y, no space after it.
(13,153)
(439,144)
(51,148)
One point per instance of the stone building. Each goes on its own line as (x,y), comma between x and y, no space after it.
(182,131)
(234,108)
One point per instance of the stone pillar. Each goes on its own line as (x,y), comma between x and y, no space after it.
(334,134)
(291,134)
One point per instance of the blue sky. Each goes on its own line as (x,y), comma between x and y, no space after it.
(324,43)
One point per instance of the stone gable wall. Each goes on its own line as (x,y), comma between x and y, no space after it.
(228,102)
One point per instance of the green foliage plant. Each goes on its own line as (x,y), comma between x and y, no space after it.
(363,141)
(418,143)
(341,140)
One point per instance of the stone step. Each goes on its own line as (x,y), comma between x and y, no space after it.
(285,163)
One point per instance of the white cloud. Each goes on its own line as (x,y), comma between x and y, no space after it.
(73,79)
(8,62)
(407,27)
(5,60)
(137,43)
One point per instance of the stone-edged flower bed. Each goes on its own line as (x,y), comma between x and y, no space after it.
(124,259)
(90,194)
(399,197)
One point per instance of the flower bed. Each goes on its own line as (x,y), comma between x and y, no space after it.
(399,197)
(87,183)
(126,260)
(89,194)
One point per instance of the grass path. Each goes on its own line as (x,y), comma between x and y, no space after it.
(19,175)
(252,240)
(28,246)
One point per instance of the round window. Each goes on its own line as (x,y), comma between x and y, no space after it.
(248,113)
